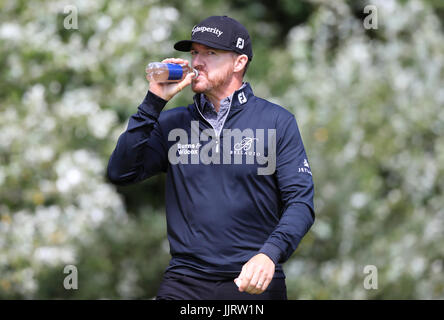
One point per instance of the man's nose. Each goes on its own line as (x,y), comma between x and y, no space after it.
(197,61)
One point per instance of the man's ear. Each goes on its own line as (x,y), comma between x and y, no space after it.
(240,62)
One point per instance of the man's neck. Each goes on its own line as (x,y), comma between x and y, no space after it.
(216,96)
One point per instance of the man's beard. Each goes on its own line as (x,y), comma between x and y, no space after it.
(205,85)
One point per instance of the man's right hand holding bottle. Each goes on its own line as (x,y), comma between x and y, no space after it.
(167,90)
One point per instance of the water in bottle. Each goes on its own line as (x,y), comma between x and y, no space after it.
(168,72)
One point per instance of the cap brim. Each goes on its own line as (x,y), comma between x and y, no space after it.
(185,45)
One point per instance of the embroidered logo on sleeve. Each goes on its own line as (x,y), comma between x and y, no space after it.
(305,168)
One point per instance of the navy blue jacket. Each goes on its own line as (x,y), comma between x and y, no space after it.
(219,214)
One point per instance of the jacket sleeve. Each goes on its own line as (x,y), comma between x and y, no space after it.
(296,188)
(140,151)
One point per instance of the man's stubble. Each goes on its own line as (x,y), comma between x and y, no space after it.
(220,80)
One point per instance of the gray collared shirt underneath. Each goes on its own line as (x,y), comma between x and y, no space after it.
(216,119)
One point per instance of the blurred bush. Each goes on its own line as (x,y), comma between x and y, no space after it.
(372,117)
(369,104)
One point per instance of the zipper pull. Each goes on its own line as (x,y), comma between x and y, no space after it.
(217,145)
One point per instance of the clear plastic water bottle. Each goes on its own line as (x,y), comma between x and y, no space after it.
(168,72)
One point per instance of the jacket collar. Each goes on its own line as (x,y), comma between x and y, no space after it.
(242,96)
(239,97)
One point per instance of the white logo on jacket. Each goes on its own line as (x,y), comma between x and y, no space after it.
(305,168)
(242,98)
(194,150)
(245,144)
(188,148)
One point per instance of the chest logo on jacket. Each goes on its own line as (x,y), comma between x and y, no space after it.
(234,146)
(245,144)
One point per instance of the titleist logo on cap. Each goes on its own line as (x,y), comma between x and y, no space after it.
(216,31)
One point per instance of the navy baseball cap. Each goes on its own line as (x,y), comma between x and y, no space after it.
(219,32)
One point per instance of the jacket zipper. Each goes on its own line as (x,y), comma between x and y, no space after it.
(217,134)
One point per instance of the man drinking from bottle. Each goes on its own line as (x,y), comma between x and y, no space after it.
(231,223)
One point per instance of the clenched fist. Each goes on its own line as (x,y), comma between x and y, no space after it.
(256,274)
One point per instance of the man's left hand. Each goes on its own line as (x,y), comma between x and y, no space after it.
(256,274)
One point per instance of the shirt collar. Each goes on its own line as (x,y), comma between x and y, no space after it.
(239,98)
(206,103)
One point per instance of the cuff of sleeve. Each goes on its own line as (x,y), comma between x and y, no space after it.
(152,104)
(272,251)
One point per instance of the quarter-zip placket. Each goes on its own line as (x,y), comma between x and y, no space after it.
(215,131)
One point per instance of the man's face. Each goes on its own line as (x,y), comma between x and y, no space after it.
(215,67)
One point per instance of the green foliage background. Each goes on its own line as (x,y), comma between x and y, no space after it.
(369,103)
